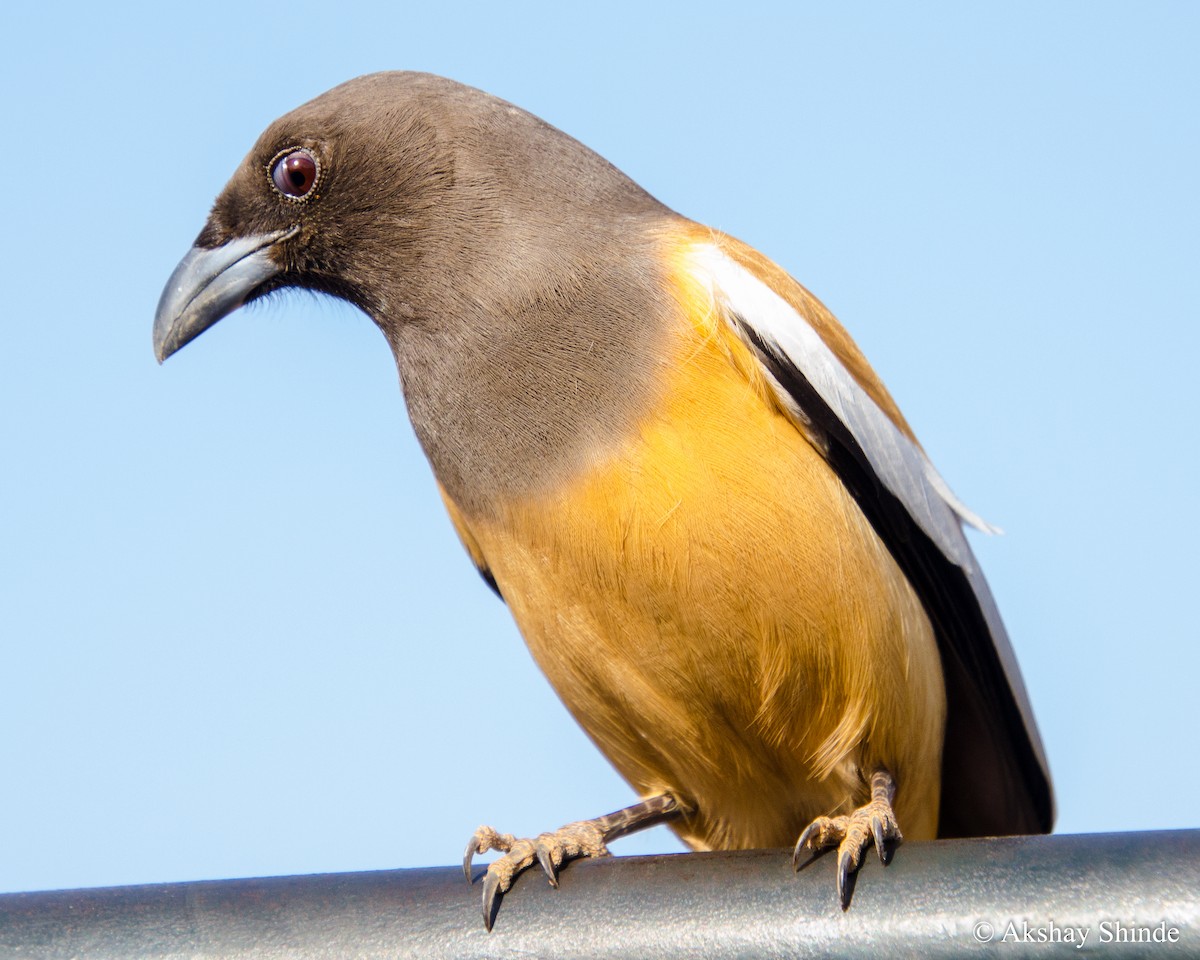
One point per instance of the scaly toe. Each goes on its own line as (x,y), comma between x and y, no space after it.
(820,835)
(874,822)
(586,838)
(551,850)
(483,840)
(500,876)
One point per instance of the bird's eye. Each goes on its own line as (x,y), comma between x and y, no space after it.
(294,173)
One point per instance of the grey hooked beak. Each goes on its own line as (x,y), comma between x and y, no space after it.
(209,284)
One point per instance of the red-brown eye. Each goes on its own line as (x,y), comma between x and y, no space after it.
(294,174)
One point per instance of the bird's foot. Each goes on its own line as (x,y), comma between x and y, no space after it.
(585,838)
(551,850)
(874,822)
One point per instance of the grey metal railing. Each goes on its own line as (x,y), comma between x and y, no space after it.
(1121,895)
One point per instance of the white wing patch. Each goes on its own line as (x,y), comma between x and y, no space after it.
(898,462)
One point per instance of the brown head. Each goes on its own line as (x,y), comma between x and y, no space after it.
(490,248)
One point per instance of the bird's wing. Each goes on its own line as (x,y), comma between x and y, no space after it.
(995,777)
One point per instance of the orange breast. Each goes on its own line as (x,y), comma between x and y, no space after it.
(712,607)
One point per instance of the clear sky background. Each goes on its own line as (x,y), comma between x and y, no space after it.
(238,635)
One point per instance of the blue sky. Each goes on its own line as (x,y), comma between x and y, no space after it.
(238,634)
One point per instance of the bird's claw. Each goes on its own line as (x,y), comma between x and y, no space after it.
(884,846)
(491,890)
(551,850)
(546,859)
(873,823)
(483,840)
(803,845)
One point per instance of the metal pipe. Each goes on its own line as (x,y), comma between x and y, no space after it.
(1122,895)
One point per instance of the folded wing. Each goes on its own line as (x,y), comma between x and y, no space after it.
(995,780)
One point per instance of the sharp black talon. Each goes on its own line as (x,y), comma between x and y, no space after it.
(491,899)
(846,878)
(547,862)
(880,843)
(800,845)
(468,856)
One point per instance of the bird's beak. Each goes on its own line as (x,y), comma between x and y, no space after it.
(210,283)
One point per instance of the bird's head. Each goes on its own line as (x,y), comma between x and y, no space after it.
(409,195)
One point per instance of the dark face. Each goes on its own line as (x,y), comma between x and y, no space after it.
(412,197)
(337,196)
(513,271)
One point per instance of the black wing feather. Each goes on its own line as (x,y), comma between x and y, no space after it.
(993,780)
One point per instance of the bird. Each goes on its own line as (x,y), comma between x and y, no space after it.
(719,537)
